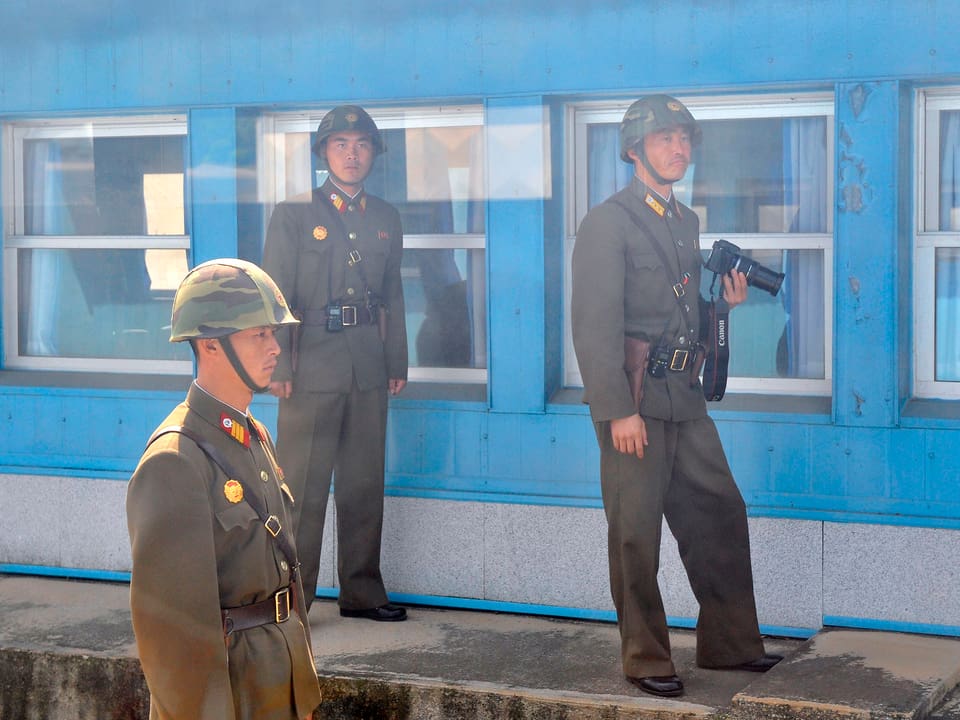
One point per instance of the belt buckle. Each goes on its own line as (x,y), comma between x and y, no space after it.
(273,525)
(349,316)
(678,290)
(679,359)
(281,605)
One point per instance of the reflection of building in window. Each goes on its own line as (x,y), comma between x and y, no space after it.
(100,301)
(433,176)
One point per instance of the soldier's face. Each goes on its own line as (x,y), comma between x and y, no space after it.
(350,157)
(257,349)
(668,152)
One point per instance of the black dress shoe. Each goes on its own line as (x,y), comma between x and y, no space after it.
(384,613)
(761,664)
(663,686)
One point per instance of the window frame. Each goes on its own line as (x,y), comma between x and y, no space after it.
(929,104)
(579,115)
(14,240)
(272,172)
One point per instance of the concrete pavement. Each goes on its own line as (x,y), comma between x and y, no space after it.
(67,652)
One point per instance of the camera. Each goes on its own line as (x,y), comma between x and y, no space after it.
(334,317)
(726,256)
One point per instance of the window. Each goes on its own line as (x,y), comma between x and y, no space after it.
(433,173)
(937,247)
(762,179)
(95,244)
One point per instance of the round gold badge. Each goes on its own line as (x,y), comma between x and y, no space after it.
(233,491)
(320,232)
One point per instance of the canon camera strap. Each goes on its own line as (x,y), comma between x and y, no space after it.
(718,350)
(717,347)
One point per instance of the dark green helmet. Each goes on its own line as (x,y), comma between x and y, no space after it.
(347,118)
(221,297)
(652,113)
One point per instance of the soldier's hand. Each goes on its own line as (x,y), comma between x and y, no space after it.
(281,388)
(629,435)
(396,385)
(734,288)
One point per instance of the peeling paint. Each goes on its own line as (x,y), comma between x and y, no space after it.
(858,97)
(855,192)
(860,401)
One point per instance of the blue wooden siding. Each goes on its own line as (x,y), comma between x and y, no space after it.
(221,62)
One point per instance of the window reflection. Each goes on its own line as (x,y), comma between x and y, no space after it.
(84,300)
(445,301)
(99,303)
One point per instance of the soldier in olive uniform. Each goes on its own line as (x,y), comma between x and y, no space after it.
(335,253)
(666,460)
(214,590)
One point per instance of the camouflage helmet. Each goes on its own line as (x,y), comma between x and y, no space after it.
(652,113)
(221,297)
(346,118)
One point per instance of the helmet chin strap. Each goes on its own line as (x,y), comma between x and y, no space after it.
(661,180)
(238,366)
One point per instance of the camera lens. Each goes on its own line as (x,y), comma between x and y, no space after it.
(764,278)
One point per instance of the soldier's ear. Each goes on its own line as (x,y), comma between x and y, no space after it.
(206,346)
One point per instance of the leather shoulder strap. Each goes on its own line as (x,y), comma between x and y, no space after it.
(270,522)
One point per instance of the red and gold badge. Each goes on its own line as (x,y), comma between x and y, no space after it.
(233,491)
(234,429)
(319,233)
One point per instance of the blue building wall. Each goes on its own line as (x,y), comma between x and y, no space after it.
(871,454)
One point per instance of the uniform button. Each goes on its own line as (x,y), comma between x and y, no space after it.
(264,476)
(350,291)
(351,208)
(283,565)
(682,340)
(352,236)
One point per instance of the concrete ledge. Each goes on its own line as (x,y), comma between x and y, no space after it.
(38,685)
(351,697)
(855,674)
(67,653)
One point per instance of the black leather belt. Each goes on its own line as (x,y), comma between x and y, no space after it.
(275,609)
(352,316)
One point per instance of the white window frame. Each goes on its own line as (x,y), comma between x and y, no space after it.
(580,115)
(929,105)
(14,135)
(271,168)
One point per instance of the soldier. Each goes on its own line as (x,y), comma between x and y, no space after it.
(215,598)
(335,253)
(636,266)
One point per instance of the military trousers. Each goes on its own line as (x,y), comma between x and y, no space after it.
(683,477)
(338,436)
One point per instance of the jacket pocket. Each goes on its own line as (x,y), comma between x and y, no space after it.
(240,515)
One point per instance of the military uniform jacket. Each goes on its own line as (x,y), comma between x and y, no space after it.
(306,253)
(620,286)
(198,547)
